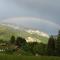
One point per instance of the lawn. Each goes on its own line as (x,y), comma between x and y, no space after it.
(18,57)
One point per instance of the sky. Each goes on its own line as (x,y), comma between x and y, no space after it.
(37,13)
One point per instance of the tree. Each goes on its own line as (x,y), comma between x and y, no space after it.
(39,49)
(12,40)
(32,47)
(51,46)
(20,41)
(58,44)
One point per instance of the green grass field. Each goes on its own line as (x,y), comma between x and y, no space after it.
(15,57)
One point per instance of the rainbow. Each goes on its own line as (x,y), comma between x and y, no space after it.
(18,19)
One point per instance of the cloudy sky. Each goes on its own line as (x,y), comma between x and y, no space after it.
(48,11)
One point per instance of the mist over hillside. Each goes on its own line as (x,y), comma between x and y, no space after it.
(34,23)
(31,35)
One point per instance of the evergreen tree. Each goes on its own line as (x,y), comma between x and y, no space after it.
(51,46)
(58,44)
(20,41)
(12,40)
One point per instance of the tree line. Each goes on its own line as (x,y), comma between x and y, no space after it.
(52,48)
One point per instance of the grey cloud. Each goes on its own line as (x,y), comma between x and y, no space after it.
(49,9)
(38,23)
(10,9)
(45,9)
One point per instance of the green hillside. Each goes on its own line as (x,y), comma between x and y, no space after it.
(6,32)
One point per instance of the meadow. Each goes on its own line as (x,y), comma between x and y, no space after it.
(19,57)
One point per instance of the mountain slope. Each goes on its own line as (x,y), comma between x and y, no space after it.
(7,30)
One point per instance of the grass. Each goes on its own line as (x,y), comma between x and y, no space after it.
(19,57)
(7,32)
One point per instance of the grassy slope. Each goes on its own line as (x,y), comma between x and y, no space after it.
(7,32)
(15,57)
